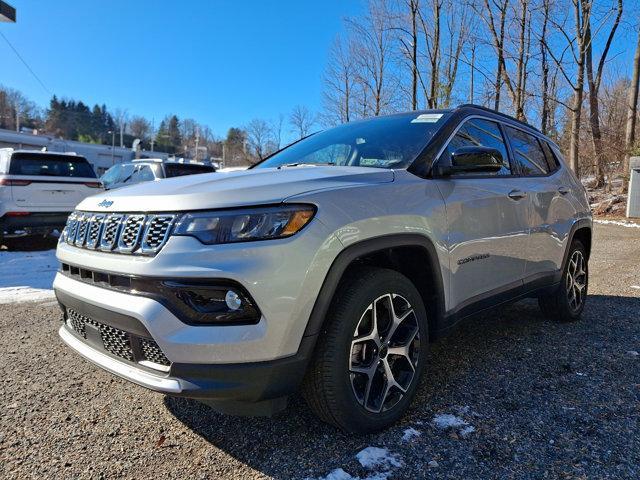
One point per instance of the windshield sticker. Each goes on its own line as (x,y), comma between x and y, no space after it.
(427,118)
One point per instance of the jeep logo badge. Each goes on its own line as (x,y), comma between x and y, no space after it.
(105,203)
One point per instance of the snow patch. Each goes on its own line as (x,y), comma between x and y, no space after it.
(448,421)
(379,461)
(338,474)
(27,276)
(445,421)
(633,353)
(621,223)
(409,434)
(636,287)
(467,430)
(376,457)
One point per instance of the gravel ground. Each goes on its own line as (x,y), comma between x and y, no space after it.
(545,400)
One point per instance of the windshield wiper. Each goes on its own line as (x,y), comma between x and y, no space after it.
(303,164)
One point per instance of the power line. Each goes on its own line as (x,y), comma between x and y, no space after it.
(26,64)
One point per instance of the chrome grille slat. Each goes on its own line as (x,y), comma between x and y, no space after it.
(156,232)
(81,235)
(132,227)
(94,230)
(110,232)
(128,233)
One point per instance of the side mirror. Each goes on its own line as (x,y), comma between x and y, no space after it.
(473,159)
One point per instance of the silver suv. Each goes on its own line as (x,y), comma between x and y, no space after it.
(329,267)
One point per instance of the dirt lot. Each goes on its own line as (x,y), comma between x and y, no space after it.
(545,400)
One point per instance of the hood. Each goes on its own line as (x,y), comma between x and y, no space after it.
(259,186)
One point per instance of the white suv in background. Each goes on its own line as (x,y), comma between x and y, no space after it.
(39,189)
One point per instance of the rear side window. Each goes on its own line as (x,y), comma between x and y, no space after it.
(47,165)
(552,161)
(480,133)
(527,152)
(178,170)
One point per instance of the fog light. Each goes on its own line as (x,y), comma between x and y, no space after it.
(233,300)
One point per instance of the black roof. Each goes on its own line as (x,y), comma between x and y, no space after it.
(469,106)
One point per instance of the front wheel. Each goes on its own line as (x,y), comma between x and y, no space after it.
(567,302)
(371,354)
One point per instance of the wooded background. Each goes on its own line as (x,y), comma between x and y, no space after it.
(565,66)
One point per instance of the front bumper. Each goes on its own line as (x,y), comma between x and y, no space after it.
(213,382)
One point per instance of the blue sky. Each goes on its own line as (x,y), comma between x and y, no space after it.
(219,62)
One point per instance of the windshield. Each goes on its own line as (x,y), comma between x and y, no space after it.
(123,174)
(48,165)
(383,142)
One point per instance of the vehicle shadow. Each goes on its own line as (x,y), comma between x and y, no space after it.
(494,347)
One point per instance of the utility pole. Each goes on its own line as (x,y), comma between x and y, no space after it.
(122,114)
(153,132)
(197,141)
(113,145)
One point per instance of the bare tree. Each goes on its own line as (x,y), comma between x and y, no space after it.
(259,137)
(121,117)
(139,127)
(495,16)
(545,112)
(276,130)
(457,21)
(301,120)
(632,115)
(576,44)
(431,22)
(406,25)
(594,82)
(372,36)
(339,81)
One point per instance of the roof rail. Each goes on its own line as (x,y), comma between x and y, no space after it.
(505,115)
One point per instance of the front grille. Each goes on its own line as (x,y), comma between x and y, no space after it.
(118,342)
(152,352)
(119,233)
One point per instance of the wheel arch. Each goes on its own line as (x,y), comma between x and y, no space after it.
(580,230)
(404,253)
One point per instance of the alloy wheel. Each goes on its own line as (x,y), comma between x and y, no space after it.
(384,353)
(576,280)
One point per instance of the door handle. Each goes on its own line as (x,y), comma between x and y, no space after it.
(563,190)
(517,194)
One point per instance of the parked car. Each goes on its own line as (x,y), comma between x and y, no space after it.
(39,189)
(328,267)
(147,170)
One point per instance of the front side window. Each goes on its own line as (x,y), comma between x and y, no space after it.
(480,133)
(527,152)
(382,142)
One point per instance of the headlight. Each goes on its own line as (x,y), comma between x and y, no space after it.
(231,226)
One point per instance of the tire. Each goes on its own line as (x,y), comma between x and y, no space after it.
(346,382)
(567,302)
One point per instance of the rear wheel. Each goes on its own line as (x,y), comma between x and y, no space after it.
(371,355)
(567,302)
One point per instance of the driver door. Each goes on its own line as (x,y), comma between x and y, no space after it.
(487,217)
